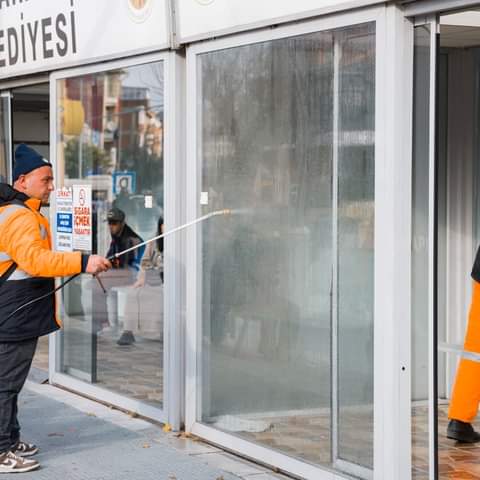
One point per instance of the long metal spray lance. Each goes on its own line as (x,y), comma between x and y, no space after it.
(123,252)
(170,232)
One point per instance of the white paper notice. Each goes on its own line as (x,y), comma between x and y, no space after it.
(64,223)
(203,198)
(82,217)
(148,201)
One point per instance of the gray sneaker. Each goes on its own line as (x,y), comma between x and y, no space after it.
(23,449)
(11,463)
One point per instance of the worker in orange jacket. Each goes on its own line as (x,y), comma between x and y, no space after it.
(466,391)
(27,270)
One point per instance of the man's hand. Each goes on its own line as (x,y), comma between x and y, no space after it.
(97,264)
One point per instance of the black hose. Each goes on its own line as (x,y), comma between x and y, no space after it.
(35,300)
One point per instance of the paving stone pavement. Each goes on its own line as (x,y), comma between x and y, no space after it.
(84,440)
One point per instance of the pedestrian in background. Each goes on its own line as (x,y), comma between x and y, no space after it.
(126,268)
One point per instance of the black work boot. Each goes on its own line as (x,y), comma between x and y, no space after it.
(462,432)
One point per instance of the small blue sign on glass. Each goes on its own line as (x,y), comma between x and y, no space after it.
(64,222)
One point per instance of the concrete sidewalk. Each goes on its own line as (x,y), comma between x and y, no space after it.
(81,439)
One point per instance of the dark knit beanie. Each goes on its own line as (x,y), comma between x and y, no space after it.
(26,160)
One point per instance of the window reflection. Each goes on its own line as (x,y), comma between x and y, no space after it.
(111,137)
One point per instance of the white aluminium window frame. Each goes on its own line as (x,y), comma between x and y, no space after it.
(393,182)
(392,271)
(173,376)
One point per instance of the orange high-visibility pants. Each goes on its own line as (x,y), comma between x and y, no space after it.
(466,392)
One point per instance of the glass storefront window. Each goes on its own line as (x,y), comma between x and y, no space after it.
(286,140)
(110,128)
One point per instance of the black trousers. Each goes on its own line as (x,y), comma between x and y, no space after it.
(15,362)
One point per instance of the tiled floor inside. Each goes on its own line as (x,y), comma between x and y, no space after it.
(309,437)
(134,371)
(456,461)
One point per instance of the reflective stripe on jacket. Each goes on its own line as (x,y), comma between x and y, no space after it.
(25,239)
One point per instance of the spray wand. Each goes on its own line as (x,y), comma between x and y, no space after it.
(123,252)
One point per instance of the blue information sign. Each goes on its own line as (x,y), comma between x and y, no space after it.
(64,222)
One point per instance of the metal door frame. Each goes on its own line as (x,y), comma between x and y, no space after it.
(392,227)
(171,412)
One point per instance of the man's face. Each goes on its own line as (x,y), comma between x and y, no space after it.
(37,184)
(115,227)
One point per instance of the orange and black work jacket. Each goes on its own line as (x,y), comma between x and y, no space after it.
(25,239)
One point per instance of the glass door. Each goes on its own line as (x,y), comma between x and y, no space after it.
(109,124)
(5,137)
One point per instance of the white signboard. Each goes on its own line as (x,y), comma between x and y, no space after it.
(41,35)
(202,18)
(82,217)
(64,219)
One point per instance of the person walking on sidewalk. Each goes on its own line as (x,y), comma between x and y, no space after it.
(27,270)
(126,268)
(466,391)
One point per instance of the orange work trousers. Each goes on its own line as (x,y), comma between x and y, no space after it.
(466,392)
